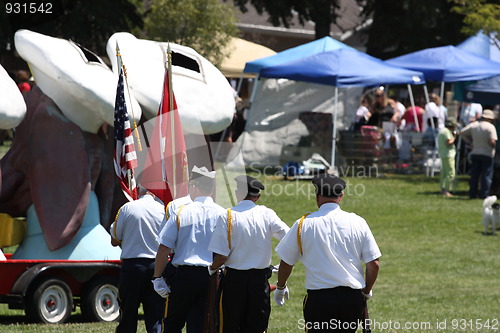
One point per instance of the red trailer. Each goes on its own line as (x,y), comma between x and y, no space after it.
(49,290)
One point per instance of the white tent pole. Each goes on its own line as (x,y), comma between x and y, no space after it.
(334,131)
(442,93)
(426,93)
(254,90)
(412,101)
(238,87)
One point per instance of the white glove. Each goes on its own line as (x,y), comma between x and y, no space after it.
(211,271)
(280,295)
(276,268)
(367,296)
(161,287)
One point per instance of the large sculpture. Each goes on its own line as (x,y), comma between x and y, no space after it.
(58,171)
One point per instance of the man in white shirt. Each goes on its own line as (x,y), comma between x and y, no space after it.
(242,241)
(482,136)
(470,113)
(332,245)
(136,228)
(188,232)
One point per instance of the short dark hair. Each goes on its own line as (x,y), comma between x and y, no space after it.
(204,184)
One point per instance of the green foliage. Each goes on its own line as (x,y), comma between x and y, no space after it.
(87,22)
(405,26)
(479,15)
(205,25)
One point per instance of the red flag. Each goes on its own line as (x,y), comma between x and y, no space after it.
(125,159)
(166,169)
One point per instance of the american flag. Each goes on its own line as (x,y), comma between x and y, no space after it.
(125,159)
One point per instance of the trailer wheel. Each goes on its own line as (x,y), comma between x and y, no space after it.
(100,300)
(49,302)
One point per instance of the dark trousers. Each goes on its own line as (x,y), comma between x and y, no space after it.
(135,287)
(187,300)
(481,168)
(245,301)
(333,310)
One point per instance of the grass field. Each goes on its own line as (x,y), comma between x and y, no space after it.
(438,272)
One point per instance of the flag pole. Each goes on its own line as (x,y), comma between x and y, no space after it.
(122,66)
(160,119)
(172,118)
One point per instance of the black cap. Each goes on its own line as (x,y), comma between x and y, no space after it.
(248,184)
(328,185)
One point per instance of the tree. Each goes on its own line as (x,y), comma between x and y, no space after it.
(321,12)
(205,25)
(405,26)
(87,22)
(479,15)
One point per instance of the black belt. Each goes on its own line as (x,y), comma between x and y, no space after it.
(253,271)
(192,267)
(138,260)
(314,291)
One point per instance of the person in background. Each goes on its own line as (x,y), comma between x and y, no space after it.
(430,135)
(447,151)
(23,79)
(383,110)
(136,228)
(409,117)
(470,113)
(482,137)
(332,245)
(363,112)
(434,109)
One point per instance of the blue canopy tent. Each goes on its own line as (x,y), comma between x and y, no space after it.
(342,68)
(448,64)
(318,46)
(315,47)
(485,91)
(483,45)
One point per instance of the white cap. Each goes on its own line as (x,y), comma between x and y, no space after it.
(203,171)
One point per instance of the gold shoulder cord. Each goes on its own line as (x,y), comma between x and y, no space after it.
(166,210)
(229,227)
(116,223)
(179,217)
(299,232)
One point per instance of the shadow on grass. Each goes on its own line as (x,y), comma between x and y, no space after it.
(14,319)
(21,319)
(458,195)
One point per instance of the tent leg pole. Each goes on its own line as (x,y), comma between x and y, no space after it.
(442,93)
(427,100)
(254,91)
(334,131)
(240,82)
(412,101)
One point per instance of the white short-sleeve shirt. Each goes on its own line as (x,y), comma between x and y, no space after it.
(253,227)
(190,241)
(138,226)
(334,244)
(173,206)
